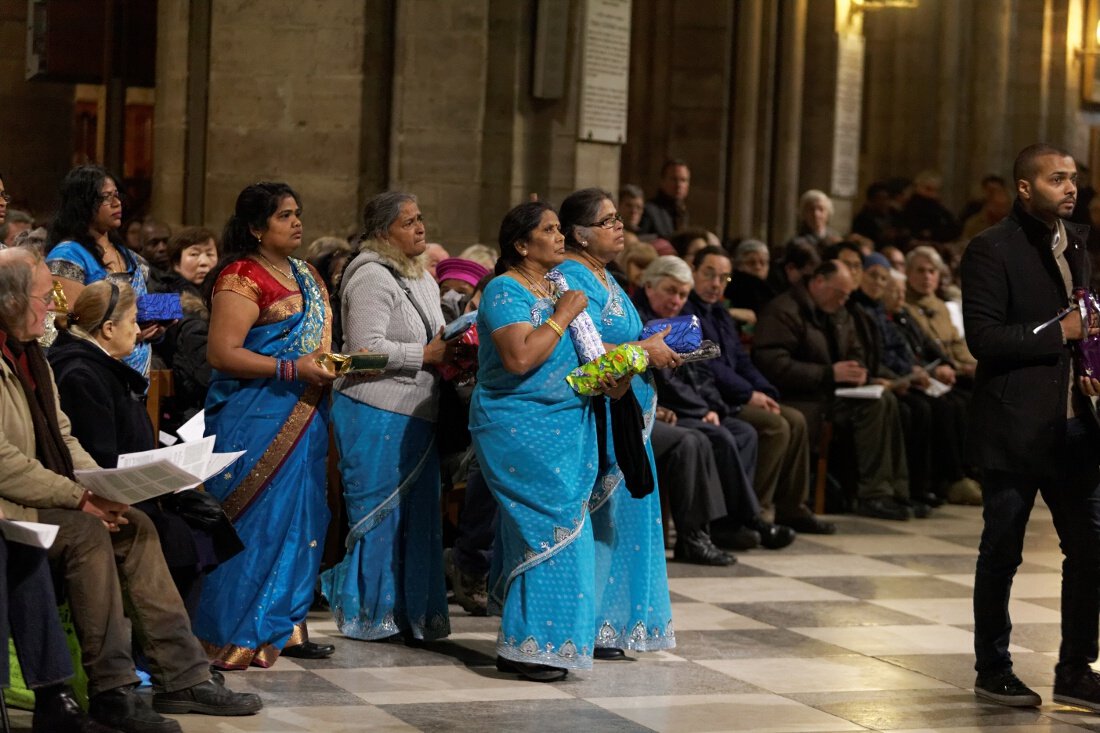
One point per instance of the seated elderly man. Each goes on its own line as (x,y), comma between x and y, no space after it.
(923,269)
(783,464)
(101,546)
(690,392)
(807,346)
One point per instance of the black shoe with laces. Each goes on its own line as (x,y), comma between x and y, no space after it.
(123,709)
(57,711)
(695,546)
(1079,688)
(207,698)
(1005,688)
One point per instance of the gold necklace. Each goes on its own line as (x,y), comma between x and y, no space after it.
(287,275)
(597,268)
(533,286)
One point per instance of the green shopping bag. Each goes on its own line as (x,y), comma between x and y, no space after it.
(18,696)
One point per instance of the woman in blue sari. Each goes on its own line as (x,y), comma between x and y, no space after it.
(633,610)
(83,247)
(268,322)
(536,441)
(390,581)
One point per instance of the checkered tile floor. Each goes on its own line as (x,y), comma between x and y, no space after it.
(869,629)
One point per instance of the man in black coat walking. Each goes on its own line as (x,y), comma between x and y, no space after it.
(1032,427)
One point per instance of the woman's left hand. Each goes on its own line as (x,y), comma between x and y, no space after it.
(615,388)
(660,355)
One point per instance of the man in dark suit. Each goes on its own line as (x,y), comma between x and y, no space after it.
(1032,427)
(666,213)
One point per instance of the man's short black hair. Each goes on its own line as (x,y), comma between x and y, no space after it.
(707,251)
(1026,166)
(672,163)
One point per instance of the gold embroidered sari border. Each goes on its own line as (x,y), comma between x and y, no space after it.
(275,455)
(234,657)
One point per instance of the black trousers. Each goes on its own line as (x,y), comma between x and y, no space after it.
(1074,503)
(687,475)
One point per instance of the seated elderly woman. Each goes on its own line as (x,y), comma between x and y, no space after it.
(101,545)
(923,269)
(815,212)
(103,398)
(749,289)
(691,394)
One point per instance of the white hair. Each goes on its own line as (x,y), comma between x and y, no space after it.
(815,196)
(667,266)
(926,252)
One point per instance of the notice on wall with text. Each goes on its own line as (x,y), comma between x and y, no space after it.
(849,107)
(605,71)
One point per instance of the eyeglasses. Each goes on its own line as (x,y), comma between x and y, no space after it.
(46,300)
(607,222)
(106,198)
(709,274)
(5,197)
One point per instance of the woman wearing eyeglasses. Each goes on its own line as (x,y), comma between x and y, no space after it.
(632,605)
(83,246)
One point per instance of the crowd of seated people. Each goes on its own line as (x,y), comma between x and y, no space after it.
(731,439)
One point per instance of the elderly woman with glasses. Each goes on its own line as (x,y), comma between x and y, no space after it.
(83,246)
(390,582)
(536,442)
(632,606)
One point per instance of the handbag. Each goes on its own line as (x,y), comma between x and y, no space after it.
(628,437)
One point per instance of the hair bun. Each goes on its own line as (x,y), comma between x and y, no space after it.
(73,317)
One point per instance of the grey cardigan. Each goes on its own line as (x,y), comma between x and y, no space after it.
(378,316)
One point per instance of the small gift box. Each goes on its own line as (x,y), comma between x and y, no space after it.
(623,360)
(342,364)
(156,307)
(686,334)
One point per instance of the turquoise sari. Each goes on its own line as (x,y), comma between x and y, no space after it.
(391,579)
(256,603)
(536,441)
(633,609)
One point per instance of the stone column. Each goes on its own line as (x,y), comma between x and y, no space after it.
(171,122)
(742,190)
(989,86)
(785,193)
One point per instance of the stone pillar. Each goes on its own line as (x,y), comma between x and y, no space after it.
(788,122)
(285,103)
(989,86)
(171,122)
(743,188)
(440,69)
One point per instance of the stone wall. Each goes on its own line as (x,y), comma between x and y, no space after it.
(36,120)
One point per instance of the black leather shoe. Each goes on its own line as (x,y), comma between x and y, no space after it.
(695,546)
(308,650)
(807,524)
(1080,689)
(1006,688)
(207,698)
(774,536)
(57,711)
(125,710)
(741,538)
(533,672)
(884,508)
(610,654)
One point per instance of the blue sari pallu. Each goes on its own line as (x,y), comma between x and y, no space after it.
(633,609)
(256,603)
(535,439)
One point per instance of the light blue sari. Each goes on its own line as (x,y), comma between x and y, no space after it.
(536,441)
(633,609)
(71,260)
(391,579)
(256,603)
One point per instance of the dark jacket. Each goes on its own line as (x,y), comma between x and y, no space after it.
(796,346)
(690,390)
(749,291)
(104,399)
(1011,284)
(880,343)
(663,216)
(735,376)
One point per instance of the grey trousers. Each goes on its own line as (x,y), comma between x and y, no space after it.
(783,463)
(117,579)
(880,445)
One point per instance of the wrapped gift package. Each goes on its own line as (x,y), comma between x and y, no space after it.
(686,334)
(154,307)
(342,364)
(465,364)
(622,361)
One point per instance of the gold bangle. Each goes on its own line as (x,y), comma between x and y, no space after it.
(554,325)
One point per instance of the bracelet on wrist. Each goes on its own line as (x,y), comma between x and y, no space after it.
(554,325)
(286,370)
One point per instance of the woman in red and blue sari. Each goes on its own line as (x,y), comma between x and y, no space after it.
(269,321)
